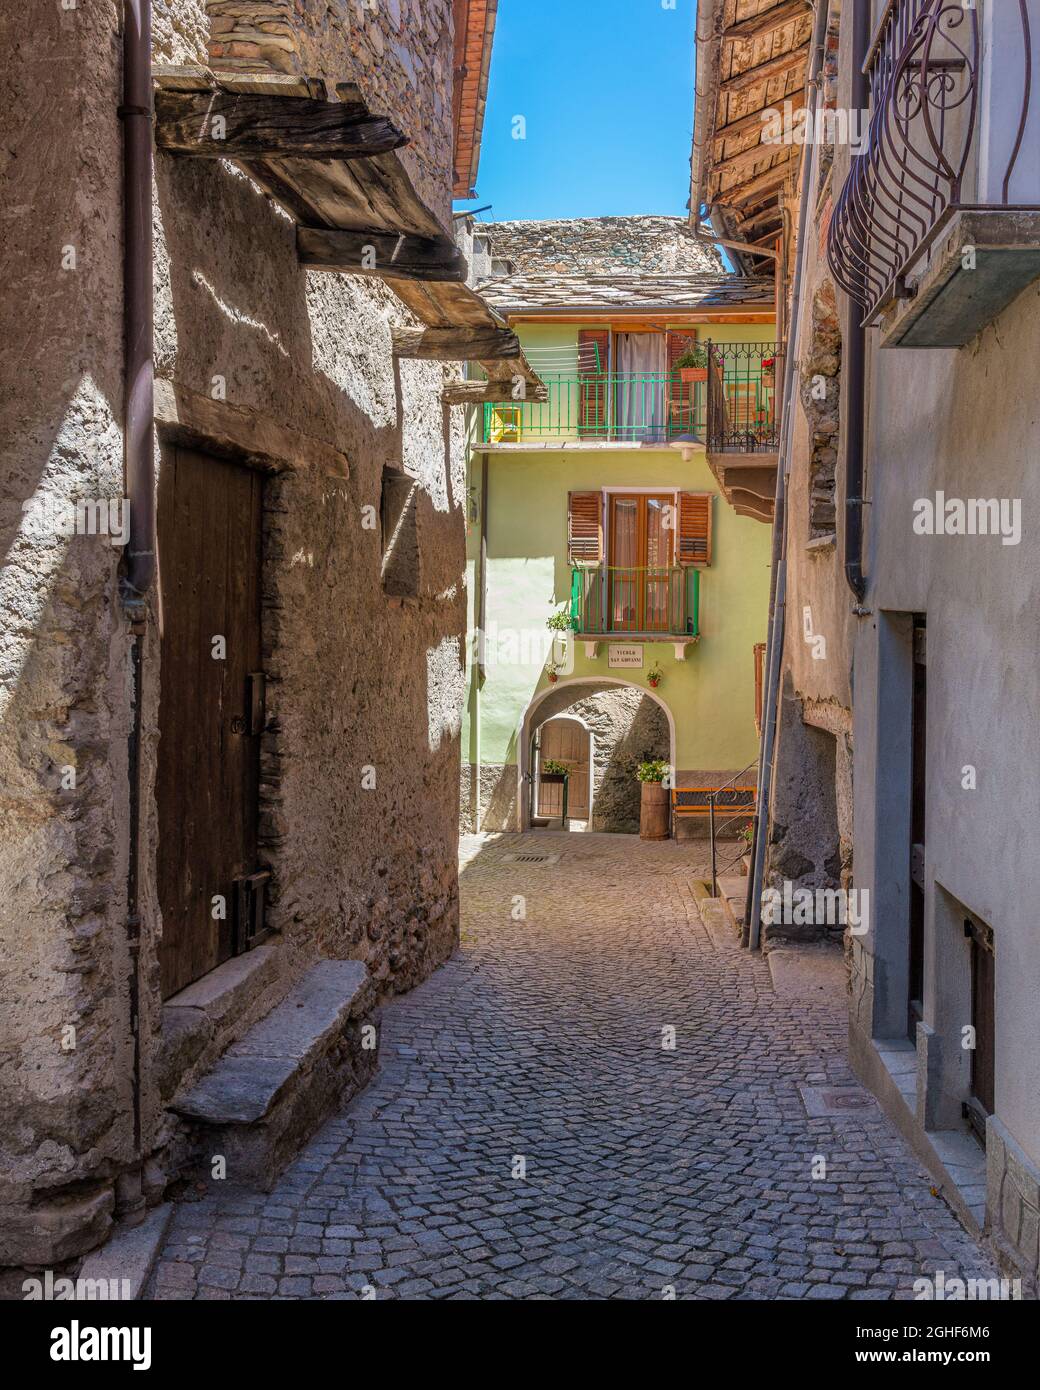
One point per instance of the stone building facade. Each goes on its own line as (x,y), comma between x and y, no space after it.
(288,376)
(906,732)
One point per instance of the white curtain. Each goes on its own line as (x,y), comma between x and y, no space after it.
(642,388)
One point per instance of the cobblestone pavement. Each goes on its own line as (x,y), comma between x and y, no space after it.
(647,1170)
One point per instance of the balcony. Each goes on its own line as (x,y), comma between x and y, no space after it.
(662,603)
(727,405)
(937,228)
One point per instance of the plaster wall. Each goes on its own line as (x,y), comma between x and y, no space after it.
(356,679)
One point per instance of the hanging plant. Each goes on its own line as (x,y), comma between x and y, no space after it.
(655,675)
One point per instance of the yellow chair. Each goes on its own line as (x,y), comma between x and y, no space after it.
(506,421)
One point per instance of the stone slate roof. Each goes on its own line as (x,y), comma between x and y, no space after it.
(651,263)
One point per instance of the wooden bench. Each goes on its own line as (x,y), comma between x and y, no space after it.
(732,802)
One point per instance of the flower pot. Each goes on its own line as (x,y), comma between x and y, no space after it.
(551,677)
(653,811)
(693,373)
(550,779)
(655,683)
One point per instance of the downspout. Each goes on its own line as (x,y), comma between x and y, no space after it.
(778,578)
(139,468)
(481,667)
(856,353)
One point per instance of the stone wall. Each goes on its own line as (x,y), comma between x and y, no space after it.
(357,678)
(603,244)
(399,52)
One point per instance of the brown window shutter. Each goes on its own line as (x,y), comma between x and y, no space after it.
(695,528)
(677,344)
(592,391)
(585,528)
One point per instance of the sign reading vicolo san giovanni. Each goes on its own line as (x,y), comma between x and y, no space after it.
(631,655)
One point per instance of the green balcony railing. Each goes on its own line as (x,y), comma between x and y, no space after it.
(731,399)
(607,601)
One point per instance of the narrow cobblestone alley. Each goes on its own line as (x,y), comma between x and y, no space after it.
(645,1168)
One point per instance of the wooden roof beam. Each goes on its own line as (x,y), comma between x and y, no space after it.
(753,120)
(246,125)
(455,344)
(380,254)
(768,21)
(747,159)
(772,67)
(753,188)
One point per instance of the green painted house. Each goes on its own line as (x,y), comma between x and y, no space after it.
(619,537)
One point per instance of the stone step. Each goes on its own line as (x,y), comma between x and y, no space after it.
(270,1091)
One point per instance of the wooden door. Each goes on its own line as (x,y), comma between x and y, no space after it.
(566,741)
(207,778)
(919,741)
(642,547)
(983,1019)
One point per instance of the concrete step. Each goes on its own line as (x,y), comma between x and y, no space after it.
(270,1091)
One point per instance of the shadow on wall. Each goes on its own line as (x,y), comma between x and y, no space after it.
(626,725)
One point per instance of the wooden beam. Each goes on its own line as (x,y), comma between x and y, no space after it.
(476,392)
(380,254)
(753,120)
(753,188)
(768,21)
(237,125)
(762,72)
(455,344)
(747,159)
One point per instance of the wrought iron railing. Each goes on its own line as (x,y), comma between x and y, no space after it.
(608,600)
(932,148)
(742,414)
(653,408)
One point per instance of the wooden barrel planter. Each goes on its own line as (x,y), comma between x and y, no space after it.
(653,811)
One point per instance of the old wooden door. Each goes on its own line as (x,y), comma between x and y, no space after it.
(918,783)
(207,779)
(566,741)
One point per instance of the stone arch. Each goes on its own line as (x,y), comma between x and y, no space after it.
(637,717)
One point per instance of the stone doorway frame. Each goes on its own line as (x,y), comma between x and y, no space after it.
(523,737)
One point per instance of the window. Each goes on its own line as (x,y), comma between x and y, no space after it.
(400,534)
(632,555)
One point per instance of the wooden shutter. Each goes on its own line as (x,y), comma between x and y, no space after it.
(585,528)
(695,528)
(680,392)
(593,385)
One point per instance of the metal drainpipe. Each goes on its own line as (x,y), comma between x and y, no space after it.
(856,353)
(778,580)
(481,671)
(139,464)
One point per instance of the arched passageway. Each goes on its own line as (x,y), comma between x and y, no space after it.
(624,723)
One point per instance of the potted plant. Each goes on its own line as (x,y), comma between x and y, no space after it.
(552,771)
(653,800)
(768,370)
(654,675)
(693,364)
(559,621)
(551,674)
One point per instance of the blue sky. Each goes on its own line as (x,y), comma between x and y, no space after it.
(606,90)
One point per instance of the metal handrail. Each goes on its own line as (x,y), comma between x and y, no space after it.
(713,831)
(659,406)
(639,601)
